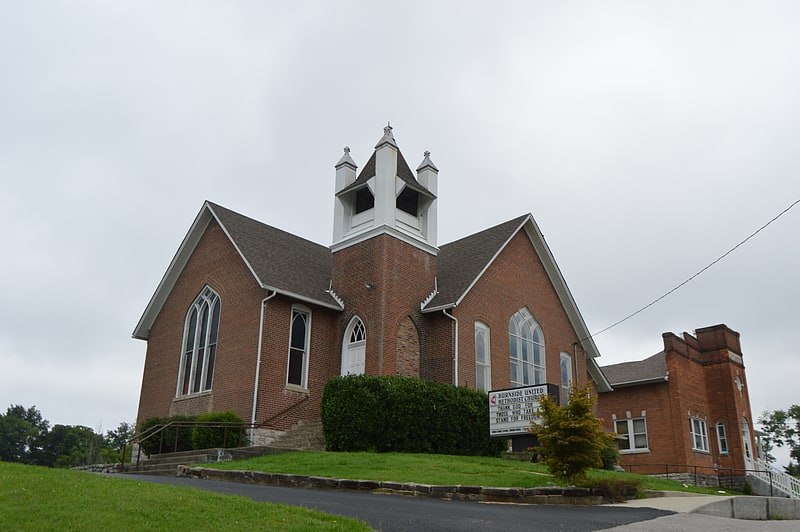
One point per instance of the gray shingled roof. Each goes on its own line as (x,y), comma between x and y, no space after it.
(403,172)
(460,263)
(652,369)
(278,259)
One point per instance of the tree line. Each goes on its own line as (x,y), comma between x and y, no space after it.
(26,437)
(782,428)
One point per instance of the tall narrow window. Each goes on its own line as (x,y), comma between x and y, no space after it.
(483,373)
(354,348)
(526,350)
(297,372)
(722,438)
(566,377)
(200,331)
(699,434)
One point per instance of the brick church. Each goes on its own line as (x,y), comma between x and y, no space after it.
(252,319)
(255,320)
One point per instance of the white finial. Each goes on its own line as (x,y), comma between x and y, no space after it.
(427,154)
(347,149)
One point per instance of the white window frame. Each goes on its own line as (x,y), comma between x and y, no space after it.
(199,344)
(722,438)
(566,376)
(482,337)
(355,337)
(299,310)
(526,350)
(630,425)
(698,430)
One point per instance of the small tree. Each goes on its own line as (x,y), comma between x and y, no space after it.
(571,437)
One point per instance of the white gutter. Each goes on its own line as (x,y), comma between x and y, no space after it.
(455,345)
(258,355)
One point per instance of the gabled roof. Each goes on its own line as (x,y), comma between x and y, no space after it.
(403,172)
(279,261)
(649,370)
(462,263)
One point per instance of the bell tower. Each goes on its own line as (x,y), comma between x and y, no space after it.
(384,254)
(385,198)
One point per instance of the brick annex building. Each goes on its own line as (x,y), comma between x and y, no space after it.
(686,408)
(255,320)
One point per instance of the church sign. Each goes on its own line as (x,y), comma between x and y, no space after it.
(511,411)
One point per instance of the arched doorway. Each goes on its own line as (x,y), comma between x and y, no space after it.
(354,348)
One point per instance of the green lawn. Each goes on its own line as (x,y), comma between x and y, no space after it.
(37,498)
(433,469)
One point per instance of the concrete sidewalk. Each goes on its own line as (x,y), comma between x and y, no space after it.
(718,513)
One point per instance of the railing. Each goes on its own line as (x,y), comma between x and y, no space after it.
(776,478)
(161,431)
(769,473)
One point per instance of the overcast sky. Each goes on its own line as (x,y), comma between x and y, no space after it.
(646,138)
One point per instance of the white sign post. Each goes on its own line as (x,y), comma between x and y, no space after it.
(512,411)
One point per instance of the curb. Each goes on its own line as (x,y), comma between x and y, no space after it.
(542,495)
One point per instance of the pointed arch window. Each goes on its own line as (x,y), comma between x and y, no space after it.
(354,348)
(483,358)
(199,350)
(526,350)
(299,338)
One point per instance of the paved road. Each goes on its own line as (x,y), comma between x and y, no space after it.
(398,513)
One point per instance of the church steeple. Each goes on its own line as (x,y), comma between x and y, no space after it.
(385,198)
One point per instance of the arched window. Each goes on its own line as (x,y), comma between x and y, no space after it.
(299,338)
(354,347)
(483,358)
(199,350)
(526,350)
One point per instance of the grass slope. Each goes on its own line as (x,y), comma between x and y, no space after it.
(36,498)
(434,469)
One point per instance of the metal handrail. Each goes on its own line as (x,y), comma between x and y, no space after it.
(757,468)
(157,430)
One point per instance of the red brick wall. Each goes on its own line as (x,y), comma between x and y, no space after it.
(215,263)
(281,405)
(383,280)
(515,280)
(701,384)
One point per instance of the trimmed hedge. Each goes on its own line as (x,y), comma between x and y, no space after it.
(402,414)
(191,438)
(224,436)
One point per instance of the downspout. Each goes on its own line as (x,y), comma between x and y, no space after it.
(455,346)
(258,356)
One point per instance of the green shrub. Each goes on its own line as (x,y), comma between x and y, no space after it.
(168,440)
(571,437)
(231,434)
(402,414)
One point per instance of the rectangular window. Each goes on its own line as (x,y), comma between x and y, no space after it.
(722,438)
(297,372)
(483,373)
(634,434)
(699,434)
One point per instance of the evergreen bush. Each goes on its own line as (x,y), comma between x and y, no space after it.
(403,414)
(171,439)
(228,434)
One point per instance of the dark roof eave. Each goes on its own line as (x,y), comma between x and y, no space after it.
(334,305)
(649,380)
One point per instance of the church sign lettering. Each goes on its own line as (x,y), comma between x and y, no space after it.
(512,411)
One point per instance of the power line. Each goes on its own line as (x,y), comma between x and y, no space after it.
(734,248)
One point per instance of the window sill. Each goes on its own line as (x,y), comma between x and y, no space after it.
(296,388)
(191,396)
(701,451)
(634,451)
